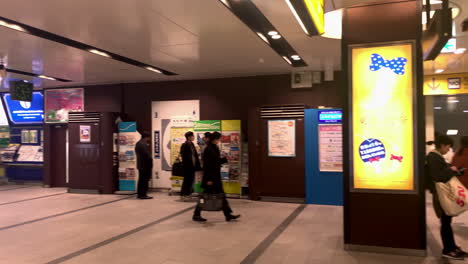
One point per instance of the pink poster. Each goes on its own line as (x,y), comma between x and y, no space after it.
(59,102)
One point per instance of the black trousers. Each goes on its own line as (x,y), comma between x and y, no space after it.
(187,184)
(143,182)
(446,232)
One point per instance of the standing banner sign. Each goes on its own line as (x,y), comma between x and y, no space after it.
(128,174)
(383,94)
(157,145)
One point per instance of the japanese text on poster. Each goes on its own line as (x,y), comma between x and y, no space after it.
(282,138)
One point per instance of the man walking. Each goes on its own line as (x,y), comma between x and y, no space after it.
(144,164)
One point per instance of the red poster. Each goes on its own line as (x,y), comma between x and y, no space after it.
(59,102)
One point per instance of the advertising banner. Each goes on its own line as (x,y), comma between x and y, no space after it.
(157,145)
(230,125)
(383,155)
(207,125)
(85,134)
(282,138)
(59,102)
(21,112)
(128,137)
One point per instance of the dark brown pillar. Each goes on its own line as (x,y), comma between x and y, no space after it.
(385,221)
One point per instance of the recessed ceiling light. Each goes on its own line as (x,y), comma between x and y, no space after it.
(459,51)
(276,36)
(153,69)
(437,107)
(272,33)
(452,132)
(263,37)
(98,52)
(295,57)
(46,77)
(465,111)
(454,101)
(287,60)
(439,71)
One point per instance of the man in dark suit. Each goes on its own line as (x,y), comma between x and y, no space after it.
(144,164)
(191,163)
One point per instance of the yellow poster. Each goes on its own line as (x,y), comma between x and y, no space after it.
(177,139)
(230,125)
(442,84)
(382,117)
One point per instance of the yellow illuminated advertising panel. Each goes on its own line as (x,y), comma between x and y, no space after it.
(383,117)
(316,12)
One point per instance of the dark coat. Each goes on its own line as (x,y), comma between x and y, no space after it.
(187,151)
(212,162)
(144,158)
(438,170)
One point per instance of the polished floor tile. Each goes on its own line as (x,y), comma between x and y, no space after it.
(92,229)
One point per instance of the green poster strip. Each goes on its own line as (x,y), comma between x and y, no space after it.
(207,125)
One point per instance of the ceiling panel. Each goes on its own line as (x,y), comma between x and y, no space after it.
(196,39)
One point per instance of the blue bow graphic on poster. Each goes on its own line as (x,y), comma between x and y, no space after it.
(396,65)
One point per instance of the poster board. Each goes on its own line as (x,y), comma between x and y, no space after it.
(382,122)
(330,147)
(59,102)
(282,138)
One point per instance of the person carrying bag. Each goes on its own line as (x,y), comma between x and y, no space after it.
(213,197)
(441,181)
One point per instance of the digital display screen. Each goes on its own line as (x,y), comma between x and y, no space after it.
(21,112)
(330,117)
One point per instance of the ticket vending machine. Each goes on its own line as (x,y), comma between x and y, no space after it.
(93,157)
(23,157)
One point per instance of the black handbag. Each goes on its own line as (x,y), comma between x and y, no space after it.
(178,168)
(211,201)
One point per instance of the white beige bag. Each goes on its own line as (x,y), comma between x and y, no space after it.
(453,196)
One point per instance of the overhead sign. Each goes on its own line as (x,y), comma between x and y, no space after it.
(383,154)
(330,117)
(446,84)
(21,112)
(207,125)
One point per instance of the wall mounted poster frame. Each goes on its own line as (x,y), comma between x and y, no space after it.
(383,120)
(59,102)
(282,138)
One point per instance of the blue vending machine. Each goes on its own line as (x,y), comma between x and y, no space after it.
(23,158)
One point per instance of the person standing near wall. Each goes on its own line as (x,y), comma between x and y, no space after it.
(191,165)
(439,170)
(144,165)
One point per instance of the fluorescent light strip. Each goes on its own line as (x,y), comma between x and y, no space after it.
(11,26)
(46,77)
(439,71)
(293,10)
(465,111)
(153,69)
(263,37)
(452,132)
(437,108)
(98,52)
(287,60)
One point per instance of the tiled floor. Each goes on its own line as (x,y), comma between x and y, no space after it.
(49,226)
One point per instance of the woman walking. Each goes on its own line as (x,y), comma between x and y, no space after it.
(211,182)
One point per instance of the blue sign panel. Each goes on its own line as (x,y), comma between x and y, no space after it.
(126,127)
(330,116)
(25,112)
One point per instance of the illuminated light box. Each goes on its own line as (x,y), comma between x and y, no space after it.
(21,112)
(382,134)
(330,116)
